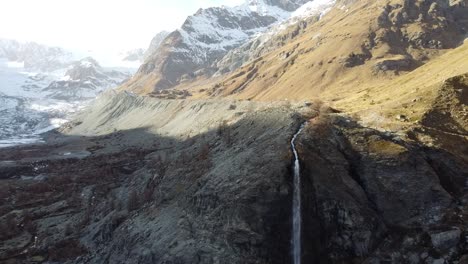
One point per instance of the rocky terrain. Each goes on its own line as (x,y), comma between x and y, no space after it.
(215,189)
(209,181)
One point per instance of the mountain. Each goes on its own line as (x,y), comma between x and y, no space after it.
(33,103)
(35,56)
(205,38)
(85,79)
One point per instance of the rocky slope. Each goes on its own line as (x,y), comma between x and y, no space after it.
(223,204)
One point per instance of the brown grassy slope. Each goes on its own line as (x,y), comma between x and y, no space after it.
(431,103)
(411,95)
(366,43)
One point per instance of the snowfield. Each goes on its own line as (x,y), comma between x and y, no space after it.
(28,109)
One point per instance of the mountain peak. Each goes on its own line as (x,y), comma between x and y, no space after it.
(205,38)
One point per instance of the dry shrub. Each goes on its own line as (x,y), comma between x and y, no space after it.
(5,190)
(224,131)
(133,202)
(39,188)
(59,182)
(65,250)
(148,194)
(68,230)
(204,152)
(85,219)
(321,124)
(28,223)
(9,227)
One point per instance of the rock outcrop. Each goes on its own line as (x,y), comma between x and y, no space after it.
(371,197)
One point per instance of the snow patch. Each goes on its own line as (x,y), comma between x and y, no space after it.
(316,7)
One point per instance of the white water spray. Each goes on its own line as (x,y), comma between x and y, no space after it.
(296,213)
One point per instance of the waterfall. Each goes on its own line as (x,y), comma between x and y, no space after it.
(296,208)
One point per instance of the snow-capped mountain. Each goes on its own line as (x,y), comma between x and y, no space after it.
(207,37)
(35,56)
(85,79)
(35,102)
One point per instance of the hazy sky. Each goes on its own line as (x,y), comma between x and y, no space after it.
(95,24)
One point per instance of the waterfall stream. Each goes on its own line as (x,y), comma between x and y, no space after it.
(296,208)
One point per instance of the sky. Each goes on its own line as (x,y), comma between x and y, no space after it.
(96,25)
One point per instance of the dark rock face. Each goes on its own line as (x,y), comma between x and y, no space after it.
(372,197)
